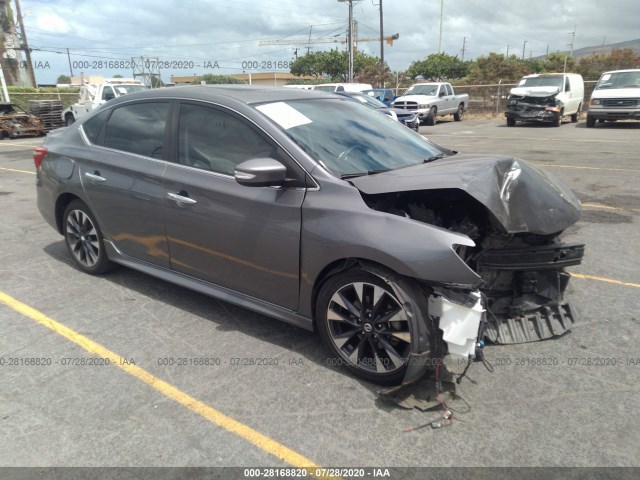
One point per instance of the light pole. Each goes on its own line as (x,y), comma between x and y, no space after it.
(350,39)
(523,45)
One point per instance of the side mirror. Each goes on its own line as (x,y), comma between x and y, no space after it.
(260,172)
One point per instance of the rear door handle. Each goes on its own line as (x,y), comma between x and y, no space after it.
(181,199)
(95,177)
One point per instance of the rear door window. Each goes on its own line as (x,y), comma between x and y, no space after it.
(138,128)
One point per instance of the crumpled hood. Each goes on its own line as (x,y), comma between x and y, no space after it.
(534,91)
(521,197)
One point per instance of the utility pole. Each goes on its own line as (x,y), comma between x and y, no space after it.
(507,52)
(441,21)
(464,46)
(69,58)
(381,37)
(573,37)
(350,35)
(523,45)
(25,46)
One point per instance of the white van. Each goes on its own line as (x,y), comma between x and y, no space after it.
(546,97)
(615,97)
(343,87)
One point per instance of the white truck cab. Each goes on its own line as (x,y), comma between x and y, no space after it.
(93,95)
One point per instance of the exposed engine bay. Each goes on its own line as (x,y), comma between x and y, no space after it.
(523,273)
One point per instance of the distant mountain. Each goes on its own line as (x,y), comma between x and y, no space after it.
(606,49)
(583,52)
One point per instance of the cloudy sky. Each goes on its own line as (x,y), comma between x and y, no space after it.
(222,36)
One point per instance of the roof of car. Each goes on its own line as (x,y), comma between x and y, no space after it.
(248,94)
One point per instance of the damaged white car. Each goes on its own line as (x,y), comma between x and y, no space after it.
(318,211)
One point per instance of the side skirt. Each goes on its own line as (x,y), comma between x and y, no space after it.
(210,289)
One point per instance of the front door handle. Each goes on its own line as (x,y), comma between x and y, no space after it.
(95,177)
(181,199)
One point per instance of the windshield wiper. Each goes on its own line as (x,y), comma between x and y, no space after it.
(433,158)
(369,172)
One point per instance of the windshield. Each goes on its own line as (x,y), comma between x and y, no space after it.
(349,138)
(326,88)
(124,89)
(7,108)
(619,80)
(431,90)
(371,102)
(542,82)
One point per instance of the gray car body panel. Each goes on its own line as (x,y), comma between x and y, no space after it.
(335,223)
(521,197)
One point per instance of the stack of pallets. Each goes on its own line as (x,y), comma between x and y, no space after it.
(49,111)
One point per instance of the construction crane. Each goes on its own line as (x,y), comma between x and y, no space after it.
(341,40)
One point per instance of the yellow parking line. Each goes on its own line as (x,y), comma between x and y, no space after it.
(607,207)
(603,279)
(19,171)
(214,416)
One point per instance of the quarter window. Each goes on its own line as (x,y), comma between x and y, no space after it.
(138,128)
(215,140)
(93,126)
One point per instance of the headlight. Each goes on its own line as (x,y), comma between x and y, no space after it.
(594,101)
(423,105)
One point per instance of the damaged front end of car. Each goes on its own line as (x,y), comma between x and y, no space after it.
(514,214)
(532,105)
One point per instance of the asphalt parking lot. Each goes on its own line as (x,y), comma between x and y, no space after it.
(216,385)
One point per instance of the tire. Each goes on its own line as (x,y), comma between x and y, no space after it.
(84,239)
(511,122)
(574,117)
(69,120)
(459,113)
(591,122)
(431,116)
(353,309)
(557,121)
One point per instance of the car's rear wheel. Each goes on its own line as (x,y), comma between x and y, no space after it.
(365,326)
(575,116)
(84,239)
(459,113)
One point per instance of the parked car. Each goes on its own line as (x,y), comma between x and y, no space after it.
(385,95)
(342,87)
(405,117)
(616,97)
(432,100)
(15,122)
(306,207)
(546,97)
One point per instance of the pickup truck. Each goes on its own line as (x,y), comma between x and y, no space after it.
(432,100)
(616,97)
(93,95)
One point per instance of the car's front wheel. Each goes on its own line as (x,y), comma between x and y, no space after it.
(365,326)
(84,239)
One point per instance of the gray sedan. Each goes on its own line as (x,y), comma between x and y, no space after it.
(318,211)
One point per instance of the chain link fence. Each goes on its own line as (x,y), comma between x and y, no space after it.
(491,99)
